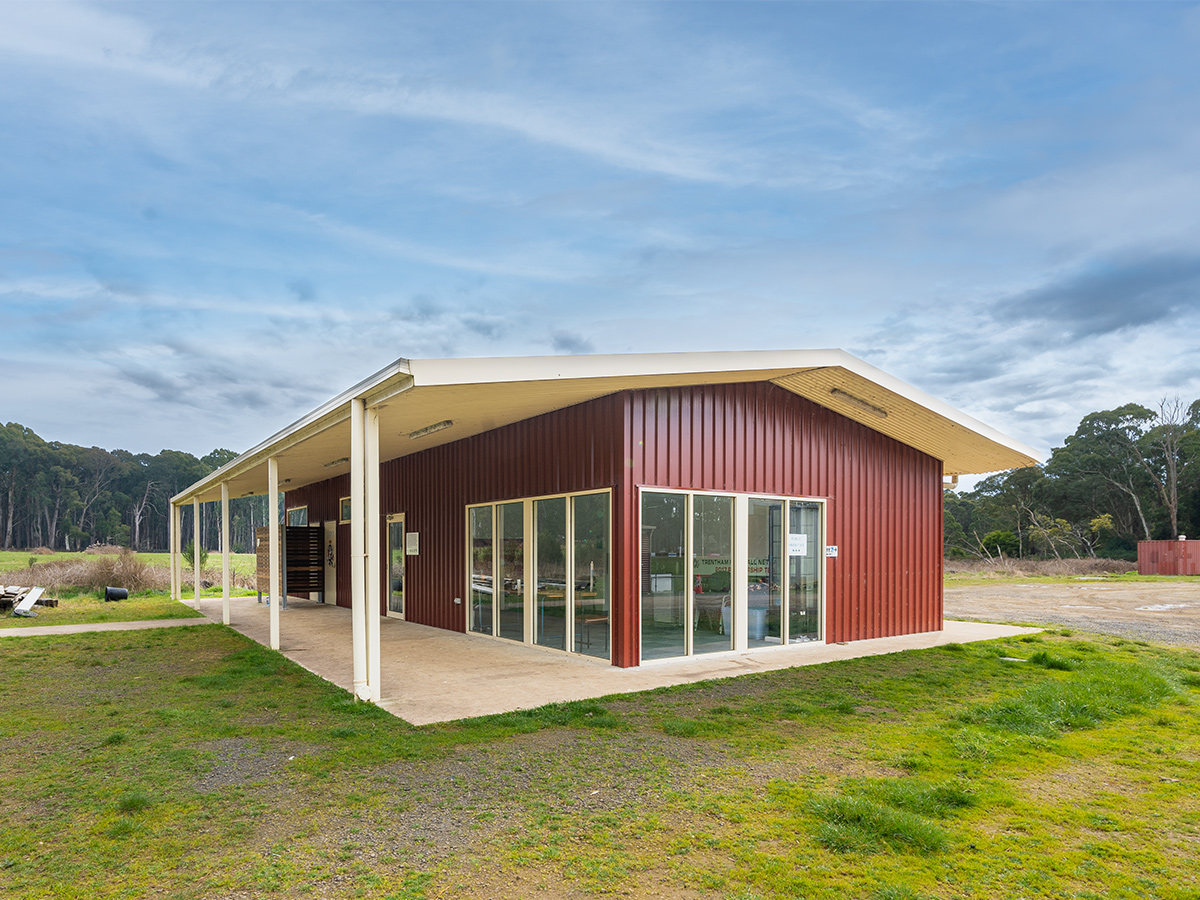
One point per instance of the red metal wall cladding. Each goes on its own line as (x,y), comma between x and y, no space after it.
(884,498)
(574,449)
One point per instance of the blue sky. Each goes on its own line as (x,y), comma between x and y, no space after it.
(214,216)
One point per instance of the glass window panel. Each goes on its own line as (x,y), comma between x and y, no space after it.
(510,540)
(396,567)
(481,570)
(590,536)
(764,578)
(805,553)
(664,573)
(712,561)
(297,516)
(550,522)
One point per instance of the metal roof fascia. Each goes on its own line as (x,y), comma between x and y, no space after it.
(945,410)
(501,369)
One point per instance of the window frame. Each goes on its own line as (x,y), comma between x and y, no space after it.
(739,568)
(530,579)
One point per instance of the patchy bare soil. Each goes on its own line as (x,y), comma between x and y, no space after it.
(1162,612)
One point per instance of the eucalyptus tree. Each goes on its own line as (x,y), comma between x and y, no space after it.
(1103,462)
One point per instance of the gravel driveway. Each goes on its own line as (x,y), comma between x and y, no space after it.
(1162,612)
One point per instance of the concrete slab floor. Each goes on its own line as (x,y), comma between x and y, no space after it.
(433,675)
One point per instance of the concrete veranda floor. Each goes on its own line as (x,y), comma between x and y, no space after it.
(432,675)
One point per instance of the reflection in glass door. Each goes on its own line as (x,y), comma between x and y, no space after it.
(550,526)
(395,563)
(510,593)
(665,572)
(480,620)
(764,576)
(589,517)
(712,565)
(804,572)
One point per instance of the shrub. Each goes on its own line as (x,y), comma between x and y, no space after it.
(189,554)
(94,573)
(103,549)
(1001,543)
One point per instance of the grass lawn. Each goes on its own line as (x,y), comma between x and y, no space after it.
(191,762)
(89,607)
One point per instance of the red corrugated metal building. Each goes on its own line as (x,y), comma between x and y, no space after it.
(632,507)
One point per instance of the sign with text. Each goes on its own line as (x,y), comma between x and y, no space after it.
(797,544)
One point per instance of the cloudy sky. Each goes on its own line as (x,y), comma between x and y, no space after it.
(214,216)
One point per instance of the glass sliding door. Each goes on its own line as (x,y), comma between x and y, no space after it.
(764,575)
(395,564)
(510,590)
(482,570)
(550,524)
(590,580)
(565,603)
(804,571)
(664,583)
(712,562)
(694,578)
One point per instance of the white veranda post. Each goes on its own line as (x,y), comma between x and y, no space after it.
(196,551)
(374,536)
(171,559)
(177,551)
(224,553)
(358,603)
(273,545)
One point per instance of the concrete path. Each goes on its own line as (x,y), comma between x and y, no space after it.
(35,630)
(432,675)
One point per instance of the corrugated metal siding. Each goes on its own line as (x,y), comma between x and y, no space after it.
(570,450)
(1168,557)
(884,498)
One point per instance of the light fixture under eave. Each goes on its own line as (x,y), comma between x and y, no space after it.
(864,405)
(337,462)
(430,429)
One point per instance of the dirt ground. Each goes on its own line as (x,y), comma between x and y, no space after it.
(1161,612)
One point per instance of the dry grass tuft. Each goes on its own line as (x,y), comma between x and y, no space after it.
(105,549)
(40,551)
(123,569)
(1025,568)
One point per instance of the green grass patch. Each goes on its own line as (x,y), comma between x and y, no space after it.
(1102,692)
(193,763)
(89,608)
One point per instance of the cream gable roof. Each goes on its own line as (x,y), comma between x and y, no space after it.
(478,395)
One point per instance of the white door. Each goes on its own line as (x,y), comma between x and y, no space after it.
(330,555)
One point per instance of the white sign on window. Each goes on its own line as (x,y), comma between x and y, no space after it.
(798,544)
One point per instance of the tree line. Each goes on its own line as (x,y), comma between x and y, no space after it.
(66,497)
(1125,475)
